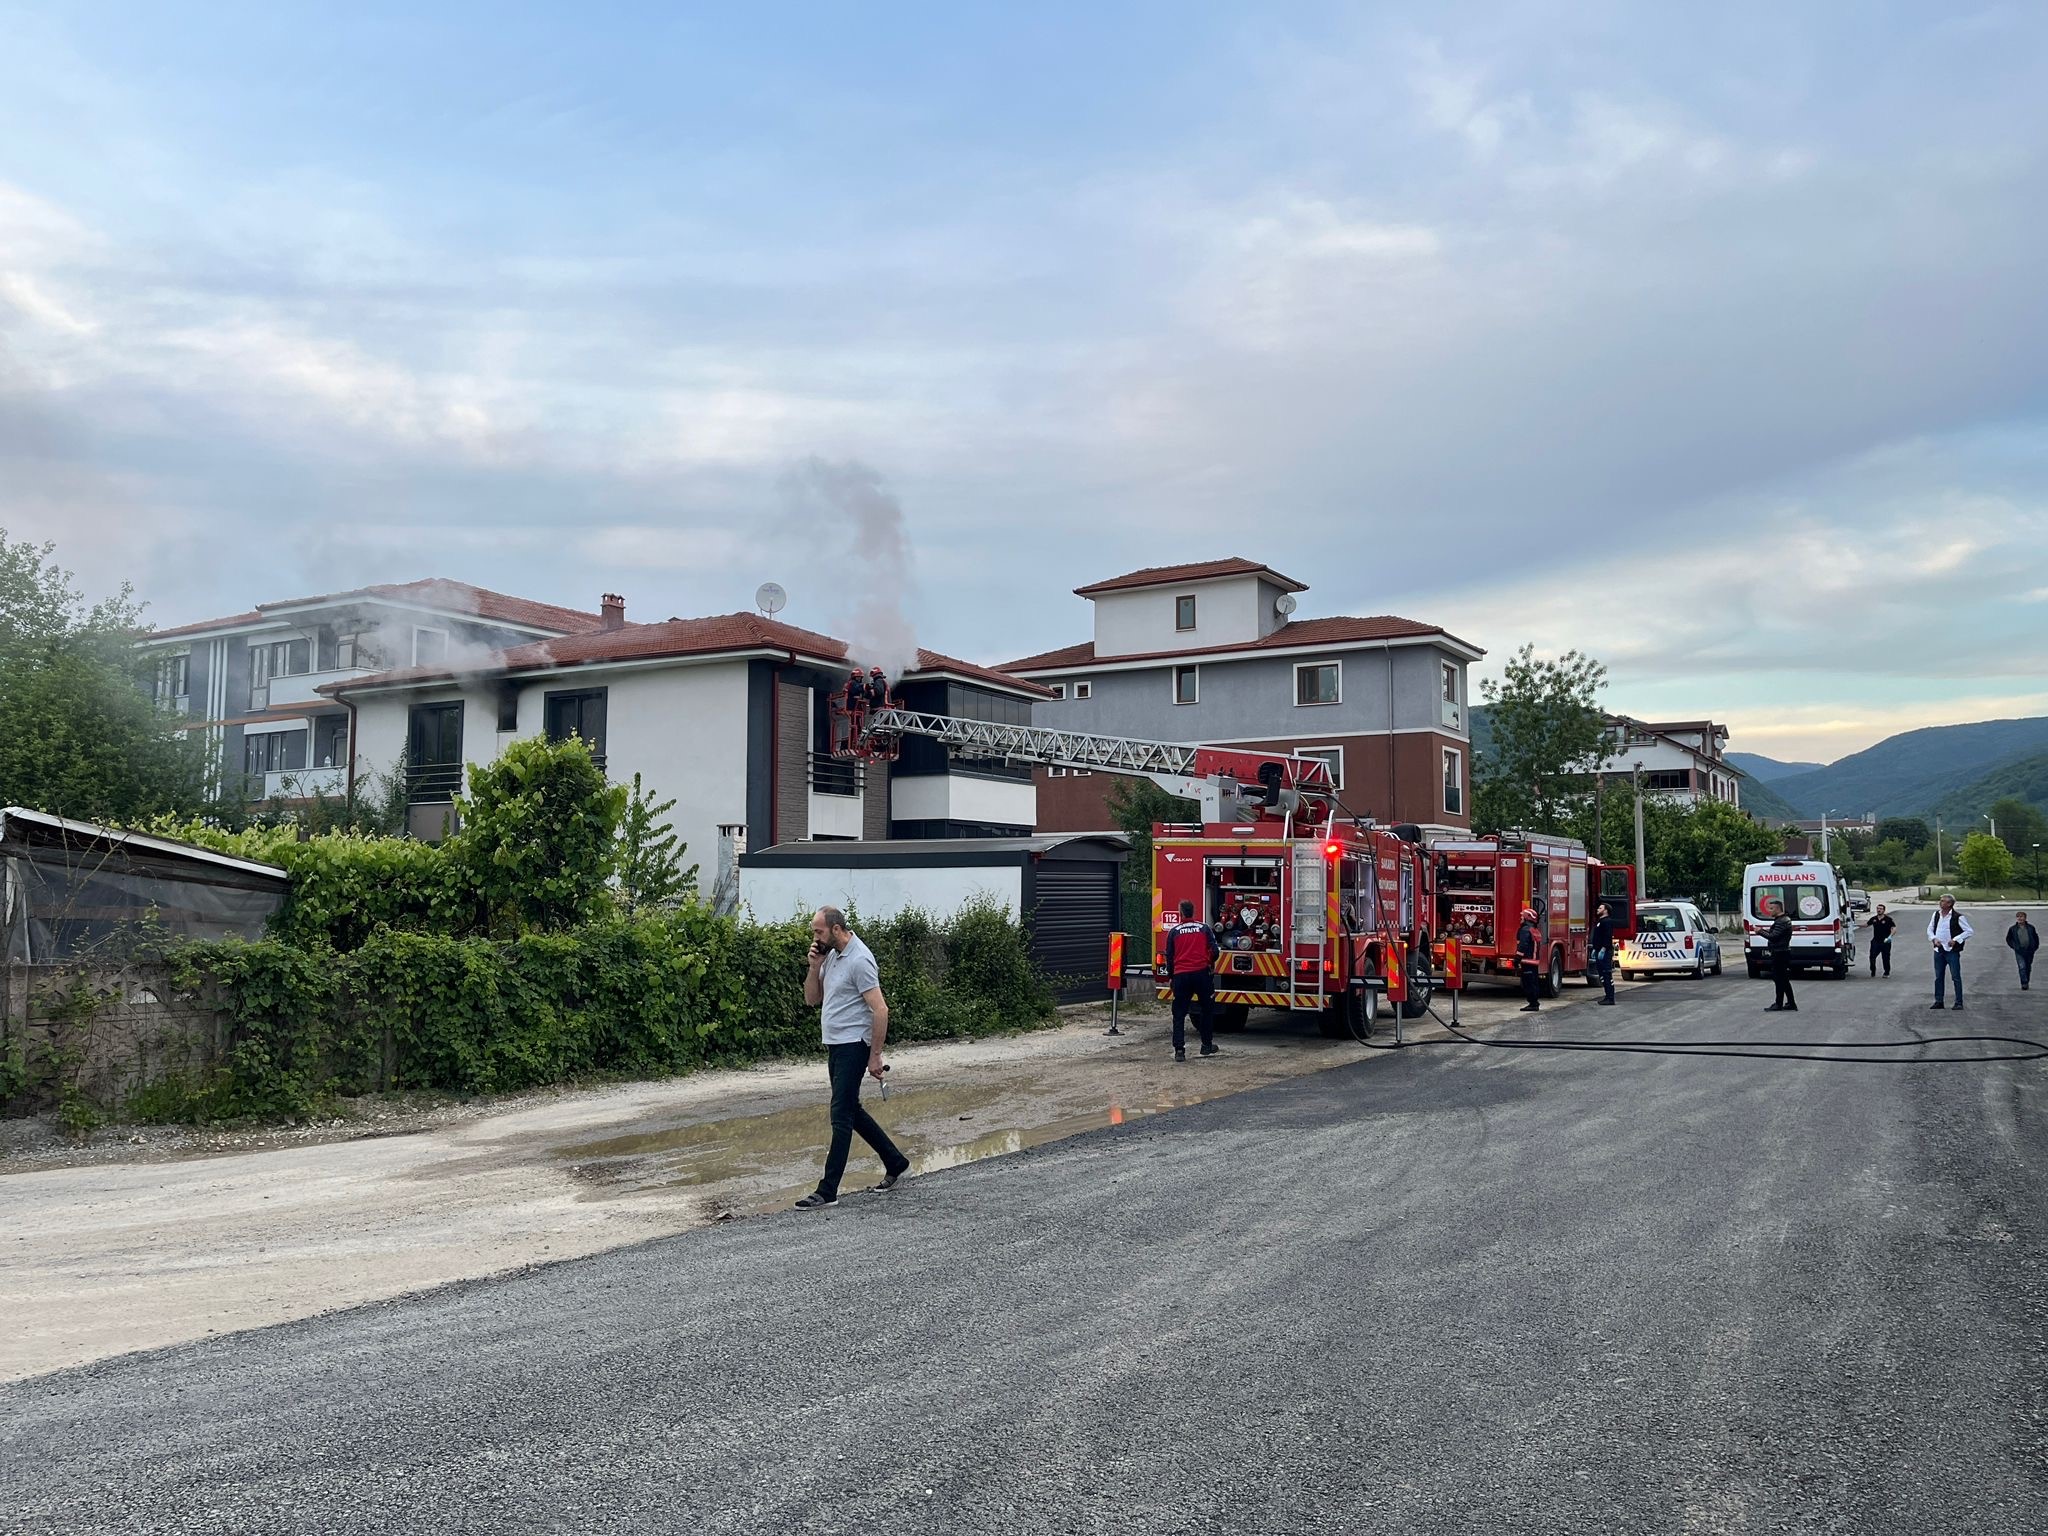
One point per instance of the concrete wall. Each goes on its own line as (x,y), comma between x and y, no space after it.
(140,1032)
(773,894)
(1141,622)
(962,797)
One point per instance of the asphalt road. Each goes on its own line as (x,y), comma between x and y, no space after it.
(1454,1290)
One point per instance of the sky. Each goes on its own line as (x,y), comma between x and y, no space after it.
(1711,341)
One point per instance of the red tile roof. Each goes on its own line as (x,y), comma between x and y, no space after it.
(232,622)
(722,634)
(1167,575)
(1300,632)
(450,597)
(459,597)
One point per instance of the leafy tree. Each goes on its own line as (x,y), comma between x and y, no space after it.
(78,737)
(539,835)
(2019,824)
(1548,737)
(1985,861)
(1886,862)
(1702,852)
(1134,805)
(650,858)
(1911,831)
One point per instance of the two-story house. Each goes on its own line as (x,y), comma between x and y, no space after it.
(729,716)
(1215,653)
(1681,760)
(249,684)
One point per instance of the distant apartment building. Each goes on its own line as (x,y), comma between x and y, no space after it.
(250,684)
(1214,653)
(1682,760)
(730,716)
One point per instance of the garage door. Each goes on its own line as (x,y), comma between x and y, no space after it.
(1070,924)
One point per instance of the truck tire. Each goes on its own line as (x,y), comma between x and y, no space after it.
(1230,1017)
(1421,987)
(1350,1014)
(1553,979)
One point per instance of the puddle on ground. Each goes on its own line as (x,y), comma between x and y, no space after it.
(938,1127)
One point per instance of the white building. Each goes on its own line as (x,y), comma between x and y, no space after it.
(726,715)
(1683,760)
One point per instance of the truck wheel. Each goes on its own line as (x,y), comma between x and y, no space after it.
(1553,979)
(1421,985)
(1230,1018)
(1841,971)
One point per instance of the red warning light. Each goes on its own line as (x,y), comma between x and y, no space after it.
(1331,850)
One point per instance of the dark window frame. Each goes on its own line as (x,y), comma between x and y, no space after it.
(1314,669)
(1184,612)
(560,698)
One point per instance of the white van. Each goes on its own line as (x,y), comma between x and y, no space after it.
(1817,901)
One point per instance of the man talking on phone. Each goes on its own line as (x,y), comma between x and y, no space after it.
(843,984)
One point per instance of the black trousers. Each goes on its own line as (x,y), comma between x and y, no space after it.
(1531,986)
(1881,947)
(848,1064)
(1781,978)
(1603,969)
(1196,991)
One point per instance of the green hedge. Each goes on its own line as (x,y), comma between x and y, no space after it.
(634,997)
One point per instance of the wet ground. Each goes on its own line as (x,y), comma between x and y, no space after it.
(100,1258)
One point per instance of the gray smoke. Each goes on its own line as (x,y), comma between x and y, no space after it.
(850,517)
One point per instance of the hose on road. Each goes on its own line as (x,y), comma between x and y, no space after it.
(1758,1050)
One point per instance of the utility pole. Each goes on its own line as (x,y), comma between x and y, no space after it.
(1938,875)
(1824,815)
(2037,871)
(1642,876)
(1599,821)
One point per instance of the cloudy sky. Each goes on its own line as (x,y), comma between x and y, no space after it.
(1710,340)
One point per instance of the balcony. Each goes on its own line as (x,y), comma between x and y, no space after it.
(299,688)
(432,783)
(296,783)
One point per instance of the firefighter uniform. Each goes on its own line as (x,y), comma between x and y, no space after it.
(1190,970)
(1525,961)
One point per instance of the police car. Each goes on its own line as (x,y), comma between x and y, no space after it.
(1670,936)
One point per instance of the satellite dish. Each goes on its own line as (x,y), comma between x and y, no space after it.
(1285,604)
(770,598)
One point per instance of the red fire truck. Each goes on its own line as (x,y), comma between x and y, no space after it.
(1312,907)
(1482,885)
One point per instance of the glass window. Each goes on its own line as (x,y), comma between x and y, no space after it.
(1454,781)
(1059,690)
(1084,690)
(1803,903)
(1450,669)
(433,752)
(577,713)
(1316,683)
(1184,613)
(429,646)
(1187,684)
(1659,920)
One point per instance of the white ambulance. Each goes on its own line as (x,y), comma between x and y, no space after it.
(1817,901)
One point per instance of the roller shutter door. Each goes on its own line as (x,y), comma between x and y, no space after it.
(1074,909)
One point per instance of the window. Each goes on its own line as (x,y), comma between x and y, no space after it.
(1667,778)
(1454,781)
(330,741)
(174,681)
(433,752)
(429,646)
(274,752)
(1334,756)
(1055,772)
(1084,690)
(1082,773)
(508,708)
(1184,612)
(577,713)
(1187,683)
(1059,690)
(1806,901)
(1315,682)
(1450,671)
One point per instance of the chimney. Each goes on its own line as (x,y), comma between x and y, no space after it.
(614,610)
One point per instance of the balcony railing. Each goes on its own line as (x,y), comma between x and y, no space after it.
(295,783)
(834,775)
(432,783)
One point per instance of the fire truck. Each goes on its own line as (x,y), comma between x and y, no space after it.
(1312,907)
(1482,885)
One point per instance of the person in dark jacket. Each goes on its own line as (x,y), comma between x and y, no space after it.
(2023,939)
(1525,961)
(1189,965)
(1600,952)
(1882,926)
(1778,937)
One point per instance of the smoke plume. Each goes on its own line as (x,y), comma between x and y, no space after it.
(852,519)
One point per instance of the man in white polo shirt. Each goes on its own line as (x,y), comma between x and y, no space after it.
(1948,931)
(844,985)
